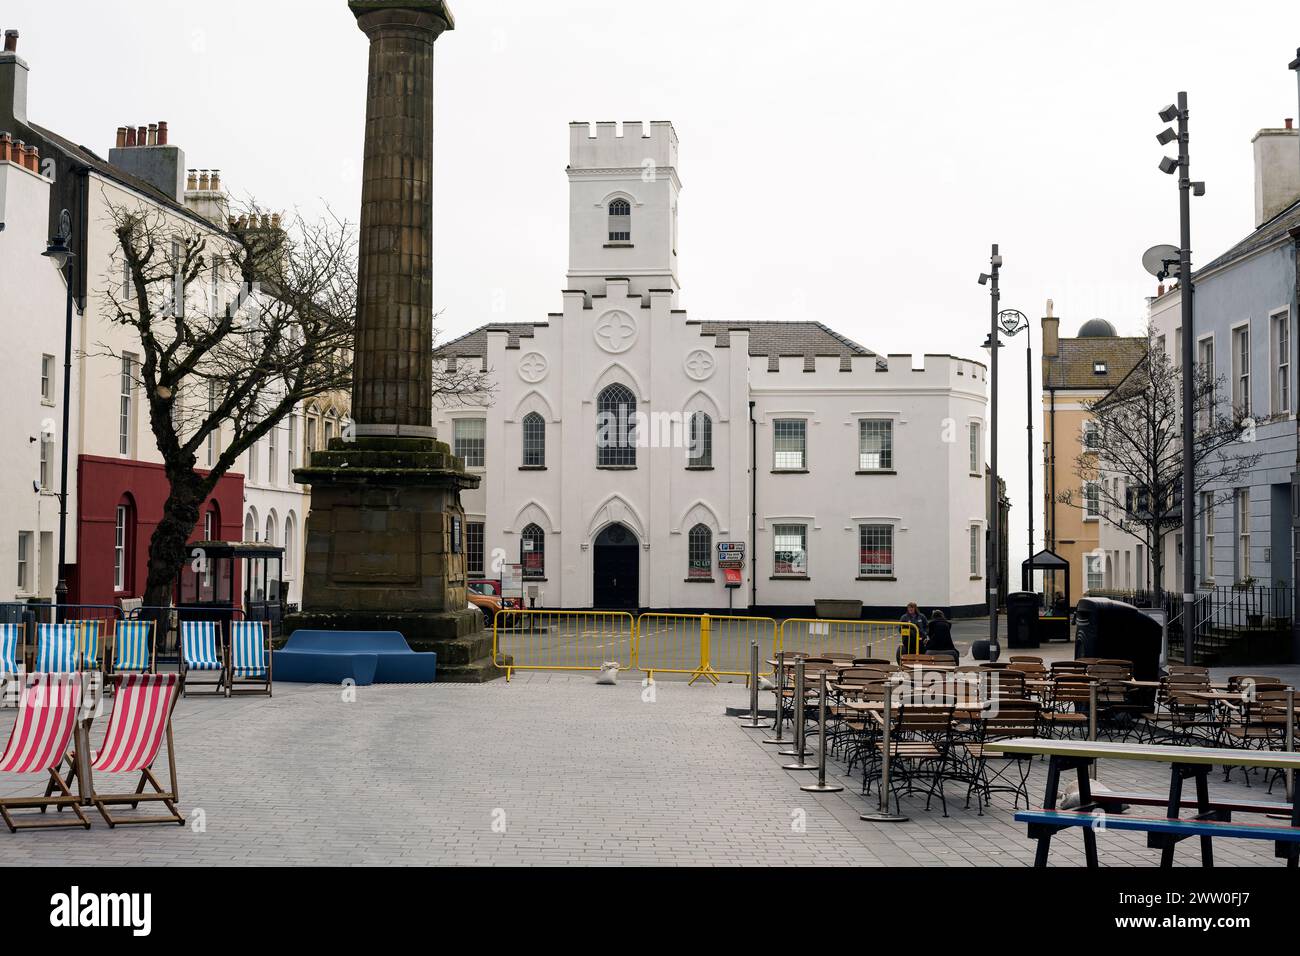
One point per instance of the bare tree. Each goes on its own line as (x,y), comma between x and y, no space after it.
(1135,436)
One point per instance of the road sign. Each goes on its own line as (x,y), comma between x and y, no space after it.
(731,554)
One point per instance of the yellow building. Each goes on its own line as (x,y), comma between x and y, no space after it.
(1076,371)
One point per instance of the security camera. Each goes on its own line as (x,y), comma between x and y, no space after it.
(984,278)
(1168,165)
(1166,137)
(36,486)
(1169,113)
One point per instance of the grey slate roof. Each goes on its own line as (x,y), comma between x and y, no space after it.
(1275,228)
(1076,358)
(771,339)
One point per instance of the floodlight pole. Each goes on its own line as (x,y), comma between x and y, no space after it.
(1189,393)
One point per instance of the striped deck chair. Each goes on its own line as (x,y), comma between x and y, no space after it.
(13,647)
(201,651)
(141,720)
(56,649)
(133,648)
(250,658)
(88,643)
(47,716)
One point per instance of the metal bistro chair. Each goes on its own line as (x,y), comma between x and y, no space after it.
(1001,720)
(920,748)
(1066,712)
(1261,725)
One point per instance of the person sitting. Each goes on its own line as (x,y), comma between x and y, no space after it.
(940,637)
(915,617)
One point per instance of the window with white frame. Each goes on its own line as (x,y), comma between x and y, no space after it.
(273,455)
(875,444)
(471,440)
(532,551)
(290,543)
(790,550)
(1205,359)
(1207,536)
(24,561)
(293,444)
(126,405)
(699,552)
(620,221)
(1091,499)
(1281,335)
(976,541)
(1091,436)
(121,526)
(875,550)
(47,379)
(254,453)
(214,436)
(699,452)
(534,441)
(789,444)
(1241,369)
(1094,572)
(616,431)
(178,280)
(976,449)
(1241,515)
(47,460)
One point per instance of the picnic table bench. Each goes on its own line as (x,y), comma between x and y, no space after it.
(1213,818)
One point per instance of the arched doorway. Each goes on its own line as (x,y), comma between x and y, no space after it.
(615,568)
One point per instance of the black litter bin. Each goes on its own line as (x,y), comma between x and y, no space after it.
(1113,629)
(1022,619)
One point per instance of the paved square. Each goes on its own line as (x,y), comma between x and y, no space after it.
(547,769)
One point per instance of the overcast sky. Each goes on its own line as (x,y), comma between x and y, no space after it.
(848,162)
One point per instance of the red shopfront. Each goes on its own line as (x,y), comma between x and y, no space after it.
(119,505)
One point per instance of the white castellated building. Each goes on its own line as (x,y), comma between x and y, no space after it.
(625,440)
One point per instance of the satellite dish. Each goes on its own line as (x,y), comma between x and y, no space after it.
(1161,261)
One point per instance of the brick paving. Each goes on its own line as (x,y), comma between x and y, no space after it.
(547,769)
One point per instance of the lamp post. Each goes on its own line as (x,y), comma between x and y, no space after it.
(1186,189)
(59,251)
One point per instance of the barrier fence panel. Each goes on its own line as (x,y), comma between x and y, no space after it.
(563,640)
(816,638)
(706,646)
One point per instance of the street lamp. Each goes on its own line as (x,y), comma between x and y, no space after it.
(1013,322)
(1009,322)
(1186,189)
(59,251)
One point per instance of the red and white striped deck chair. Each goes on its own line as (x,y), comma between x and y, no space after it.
(250,658)
(48,707)
(141,719)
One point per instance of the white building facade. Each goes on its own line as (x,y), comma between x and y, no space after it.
(625,440)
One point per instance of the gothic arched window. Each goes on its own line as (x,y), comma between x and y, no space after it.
(616,427)
(534,440)
(620,221)
(532,551)
(699,452)
(700,552)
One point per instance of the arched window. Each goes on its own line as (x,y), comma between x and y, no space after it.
(270,528)
(290,533)
(250,525)
(700,552)
(532,551)
(534,440)
(620,221)
(616,427)
(699,451)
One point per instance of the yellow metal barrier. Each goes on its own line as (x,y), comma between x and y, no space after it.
(563,640)
(816,638)
(707,646)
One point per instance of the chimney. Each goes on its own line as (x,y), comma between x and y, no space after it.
(205,181)
(1277,171)
(147,155)
(13,84)
(1051,332)
(6,145)
(215,183)
(191,180)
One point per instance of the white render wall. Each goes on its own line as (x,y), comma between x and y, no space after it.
(32,309)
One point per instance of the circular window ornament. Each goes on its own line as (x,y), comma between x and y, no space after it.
(615,332)
(700,365)
(533,367)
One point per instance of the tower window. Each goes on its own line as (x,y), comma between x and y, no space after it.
(620,221)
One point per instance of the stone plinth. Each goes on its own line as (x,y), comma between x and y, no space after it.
(381,550)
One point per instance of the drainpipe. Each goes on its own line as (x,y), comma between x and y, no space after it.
(753,509)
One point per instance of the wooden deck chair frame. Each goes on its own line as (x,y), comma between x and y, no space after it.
(69,683)
(237,686)
(187,682)
(167,797)
(112,664)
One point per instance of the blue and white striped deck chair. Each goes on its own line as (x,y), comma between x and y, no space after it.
(250,658)
(201,652)
(133,648)
(12,650)
(56,648)
(87,644)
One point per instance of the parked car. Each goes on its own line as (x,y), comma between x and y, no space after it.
(492,588)
(489,606)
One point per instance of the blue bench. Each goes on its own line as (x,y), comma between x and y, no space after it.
(365,657)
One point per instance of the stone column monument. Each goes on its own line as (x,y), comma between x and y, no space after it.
(385,535)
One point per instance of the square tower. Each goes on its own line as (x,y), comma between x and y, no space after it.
(623,206)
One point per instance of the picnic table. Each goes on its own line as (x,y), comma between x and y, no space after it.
(1212,818)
